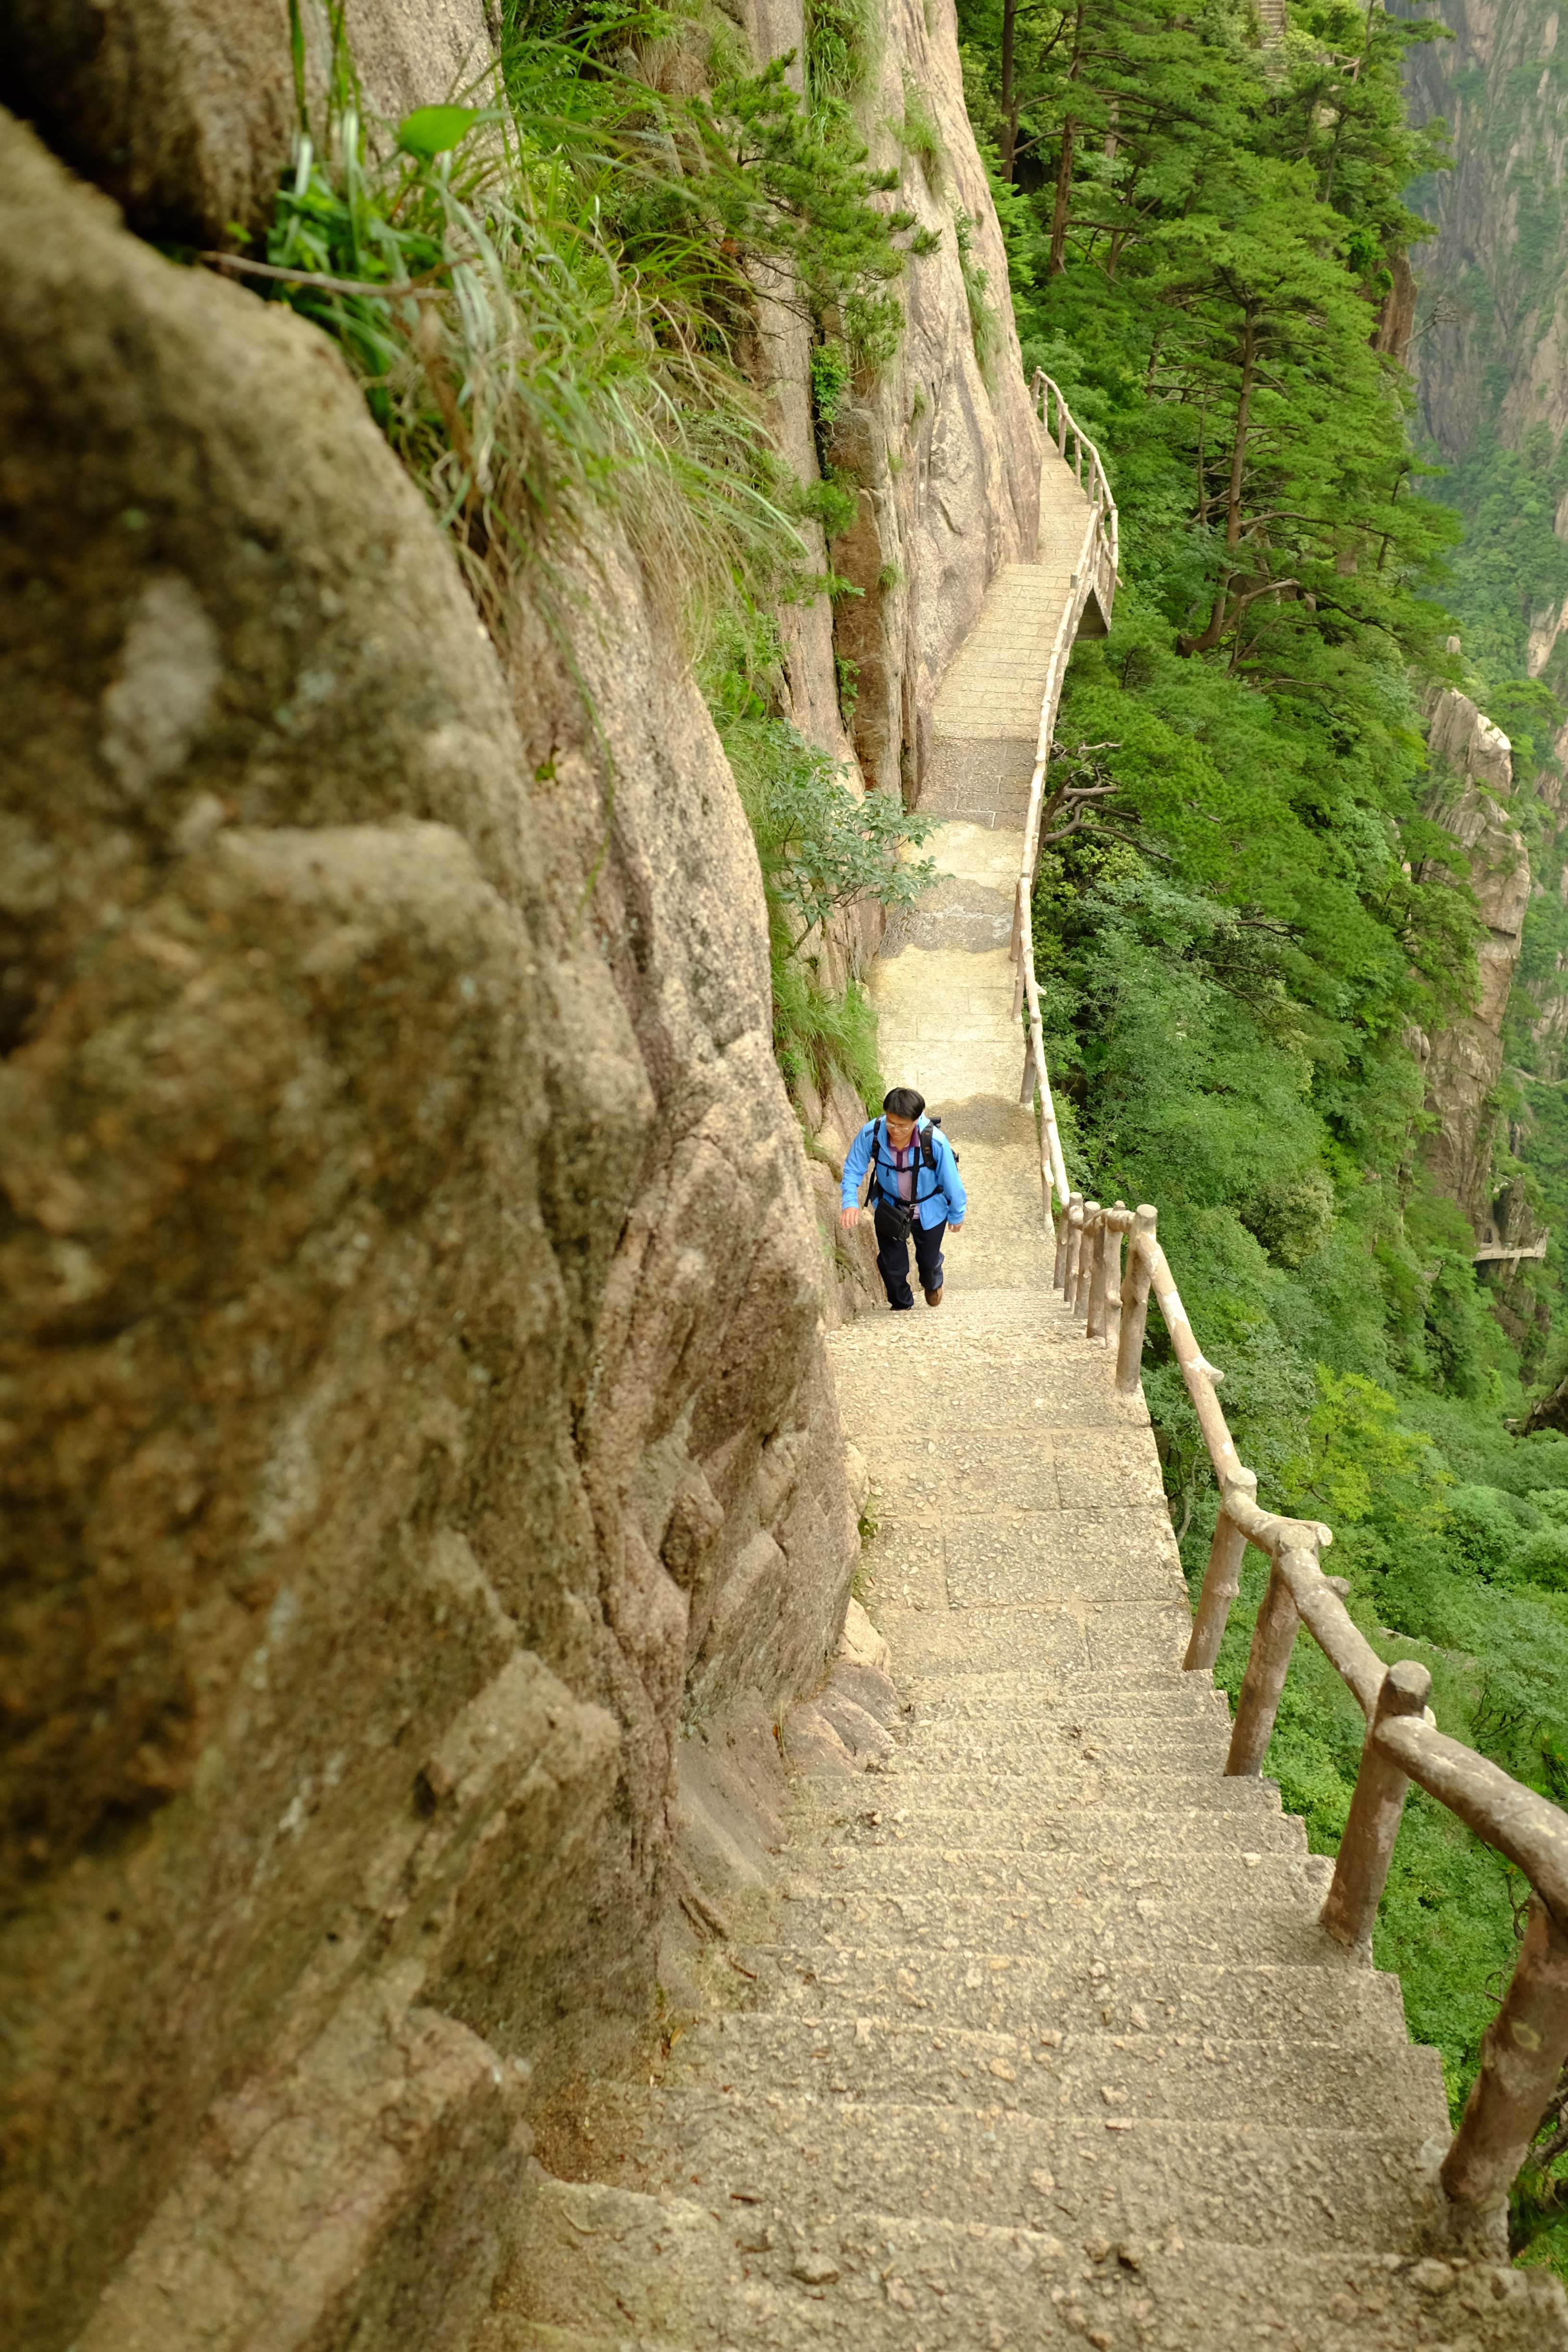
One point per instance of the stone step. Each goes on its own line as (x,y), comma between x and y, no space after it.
(1021,1993)
(1144,2077)
(1018,1698)
(1259,2182)
(958,2290)
(1132,1931)
(906,1874)
(1124,1741)
(877,2281)
(509,2331)
(925,1642)
(1042,1785)
(1099,1830)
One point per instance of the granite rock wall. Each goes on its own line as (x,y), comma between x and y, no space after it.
(1474,778)
(418,1450)
(413,1401)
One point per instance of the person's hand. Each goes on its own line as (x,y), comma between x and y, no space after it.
(955,1224)
(849,1218)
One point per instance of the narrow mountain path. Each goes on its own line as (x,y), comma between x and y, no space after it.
(943,985)
(1043,2045)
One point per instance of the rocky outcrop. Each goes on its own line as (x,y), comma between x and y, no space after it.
(1491,274)
(183,110)
(1473,768)
(941,452)
(424,1492)
(413,1396)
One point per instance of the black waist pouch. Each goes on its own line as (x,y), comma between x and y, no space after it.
(901,1214)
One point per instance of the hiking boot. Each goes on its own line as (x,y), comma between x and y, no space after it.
(933,1298)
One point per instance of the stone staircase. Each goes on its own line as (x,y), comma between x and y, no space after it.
(1042,2044)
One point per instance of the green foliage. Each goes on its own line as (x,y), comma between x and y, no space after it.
(516,367)
(432,130)
(920,136)
(819,1035)
(1236,946)
(832,501)
(545,301)
(843,41)
(824,846)
(1510,570)
(984,332)
(831,376)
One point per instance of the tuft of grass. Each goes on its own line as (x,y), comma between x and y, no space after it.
(920,136)
(521,375)
(546,299)
(984,325)
(843,45)
(818,1035)
(833,502)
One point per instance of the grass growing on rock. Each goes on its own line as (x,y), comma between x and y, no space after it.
(548,298)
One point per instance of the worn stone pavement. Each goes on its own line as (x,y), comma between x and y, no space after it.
(1042,2045)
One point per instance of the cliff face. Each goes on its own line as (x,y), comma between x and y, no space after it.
(416,1423)
(1495,347)
(1474,769)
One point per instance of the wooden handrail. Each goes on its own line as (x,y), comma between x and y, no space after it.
(1527,2044)
(1095,573)
(1525,2048)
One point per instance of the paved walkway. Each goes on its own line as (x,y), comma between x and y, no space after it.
(943,985)
(1044,2046)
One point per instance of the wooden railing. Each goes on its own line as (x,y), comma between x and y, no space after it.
(1526,2045)
(1094,575)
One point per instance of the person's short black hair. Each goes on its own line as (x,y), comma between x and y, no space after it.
(902,1102)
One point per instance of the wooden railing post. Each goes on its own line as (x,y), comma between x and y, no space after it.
(1221,1582)
(1135,1303)
(1273,1639)
(1094,1322)
(1116,1225)
(1522,2053)
(1367,1848)
(1083,1272)
(1075,1246)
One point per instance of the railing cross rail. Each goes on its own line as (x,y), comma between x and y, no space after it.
(1526,2046)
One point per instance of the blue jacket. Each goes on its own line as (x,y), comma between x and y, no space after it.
(938,1191)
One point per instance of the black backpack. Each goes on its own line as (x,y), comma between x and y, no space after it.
(928,1159)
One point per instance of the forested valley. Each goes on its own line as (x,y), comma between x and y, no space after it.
(1248,943)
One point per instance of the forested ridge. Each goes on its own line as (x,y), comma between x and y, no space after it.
(1206,234)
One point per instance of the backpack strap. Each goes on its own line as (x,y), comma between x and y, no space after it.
(927,1158)
(872,1187)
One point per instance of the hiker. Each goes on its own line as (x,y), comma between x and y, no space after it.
(915,1187)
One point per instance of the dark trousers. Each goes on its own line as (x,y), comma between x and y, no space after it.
(893,1256)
